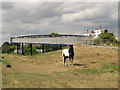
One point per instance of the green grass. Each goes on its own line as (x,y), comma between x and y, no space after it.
(8,61)
(111,68)
(36,74)
(87,71)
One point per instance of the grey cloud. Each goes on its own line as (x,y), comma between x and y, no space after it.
(32,15)
(44,18)
(7,5)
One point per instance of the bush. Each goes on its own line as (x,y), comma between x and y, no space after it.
(97,41)
(27,50)
(49,48)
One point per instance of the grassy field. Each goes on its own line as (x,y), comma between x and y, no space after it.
(93,68)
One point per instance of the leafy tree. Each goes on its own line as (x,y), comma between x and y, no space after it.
(107,38)
(7,47)
(53,34)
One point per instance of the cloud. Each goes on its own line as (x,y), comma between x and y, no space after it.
(7,5)
(20,18)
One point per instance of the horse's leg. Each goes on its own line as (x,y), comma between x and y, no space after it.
(69,61)
(64,61)
(72,61)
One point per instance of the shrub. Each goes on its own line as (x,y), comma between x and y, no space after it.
(97,41)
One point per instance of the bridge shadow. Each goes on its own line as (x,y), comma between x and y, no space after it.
(78,64)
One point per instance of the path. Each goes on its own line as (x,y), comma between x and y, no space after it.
(105,47)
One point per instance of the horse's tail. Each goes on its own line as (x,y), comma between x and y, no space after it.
(62,53)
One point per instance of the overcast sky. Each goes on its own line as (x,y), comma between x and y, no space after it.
(20,18)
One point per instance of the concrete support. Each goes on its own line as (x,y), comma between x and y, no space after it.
(22,49)
(31,49)
(101,42)
(60,46)
(86,42)
(42,48)
(17,48)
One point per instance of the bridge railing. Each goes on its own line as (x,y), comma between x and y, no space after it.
(53,40)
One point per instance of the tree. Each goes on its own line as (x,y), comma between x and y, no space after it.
(7,47)
(53,34)
(107,38)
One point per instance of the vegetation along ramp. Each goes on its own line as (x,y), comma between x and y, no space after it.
(93,68)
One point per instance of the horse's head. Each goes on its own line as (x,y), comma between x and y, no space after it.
(70,47)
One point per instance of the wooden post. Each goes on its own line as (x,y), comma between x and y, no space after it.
(31,49)
(22,49)
(42,48)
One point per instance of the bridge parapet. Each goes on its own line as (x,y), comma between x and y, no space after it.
(48,39)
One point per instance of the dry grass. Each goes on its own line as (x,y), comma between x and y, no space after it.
(93,68)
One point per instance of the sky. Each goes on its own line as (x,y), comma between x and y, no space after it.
(26,18)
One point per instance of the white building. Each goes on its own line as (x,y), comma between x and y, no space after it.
(96,33)
(87,34)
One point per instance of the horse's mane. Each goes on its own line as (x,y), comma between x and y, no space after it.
(71,51)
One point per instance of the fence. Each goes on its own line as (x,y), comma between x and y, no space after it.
(96,42)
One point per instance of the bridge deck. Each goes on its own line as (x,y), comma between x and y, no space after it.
(48,39)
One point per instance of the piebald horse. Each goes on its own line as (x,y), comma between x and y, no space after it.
(68,53)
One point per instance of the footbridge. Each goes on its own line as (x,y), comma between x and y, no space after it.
(51,39)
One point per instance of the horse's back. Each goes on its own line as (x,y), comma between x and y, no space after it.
(65,52)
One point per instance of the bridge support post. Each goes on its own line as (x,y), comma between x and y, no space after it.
(31,49)
(60,46)
(22,49)
(17,48)
(42,48)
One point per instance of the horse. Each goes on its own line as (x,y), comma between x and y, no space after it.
(68,53)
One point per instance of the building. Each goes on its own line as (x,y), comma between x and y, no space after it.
(96,33)
(87,34)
